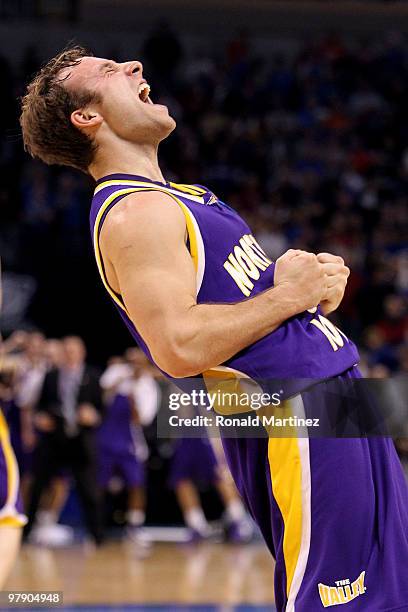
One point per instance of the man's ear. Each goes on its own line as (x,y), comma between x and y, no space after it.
(86,119)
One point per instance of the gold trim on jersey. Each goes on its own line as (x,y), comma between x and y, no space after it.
(286,480)
(289,468)
(99,262)
(195,240)
(221,381)
(19,520)
(193,193)
(190,189)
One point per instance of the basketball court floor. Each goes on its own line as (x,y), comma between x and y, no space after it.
(205,577)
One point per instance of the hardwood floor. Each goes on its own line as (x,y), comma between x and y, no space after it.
(180,574)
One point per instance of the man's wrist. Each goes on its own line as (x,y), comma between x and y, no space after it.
(285,297)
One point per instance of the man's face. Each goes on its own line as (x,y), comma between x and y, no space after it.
(54,352)
(35,346)
(73,352)
(125,105)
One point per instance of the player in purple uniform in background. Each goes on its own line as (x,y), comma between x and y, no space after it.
(132,397)
(195,465)
(201,298)
(12,518)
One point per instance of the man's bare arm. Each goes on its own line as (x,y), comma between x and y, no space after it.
(147,261)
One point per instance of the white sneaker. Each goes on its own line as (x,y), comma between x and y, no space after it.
(53,536)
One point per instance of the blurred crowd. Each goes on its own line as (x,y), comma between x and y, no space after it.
(90,435)
(90,457)
(311,147)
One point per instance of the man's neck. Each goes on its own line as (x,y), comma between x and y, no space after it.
(128,158)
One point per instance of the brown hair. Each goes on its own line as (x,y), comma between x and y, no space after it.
(46,108)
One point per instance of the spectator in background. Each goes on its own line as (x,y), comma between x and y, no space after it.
(48,532)
(380,353)
(54,353)
(143,387)
(68,411)
(394,324)
(32,370)
(132,398)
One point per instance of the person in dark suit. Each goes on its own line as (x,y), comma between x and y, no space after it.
(68,411)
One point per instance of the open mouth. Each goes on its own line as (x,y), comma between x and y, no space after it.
(144,91)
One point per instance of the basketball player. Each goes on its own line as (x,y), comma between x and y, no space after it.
(12,518)
(198,293)
(130,393)
(195,464)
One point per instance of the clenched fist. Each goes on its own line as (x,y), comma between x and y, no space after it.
(304,278)
(337,274)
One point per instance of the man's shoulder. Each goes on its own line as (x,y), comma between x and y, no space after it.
(140,206)
(141,219)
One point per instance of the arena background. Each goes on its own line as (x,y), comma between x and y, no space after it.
(295,113)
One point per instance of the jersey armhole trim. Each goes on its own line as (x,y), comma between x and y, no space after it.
(100,218)
(195,242)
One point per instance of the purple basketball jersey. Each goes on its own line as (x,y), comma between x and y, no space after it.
(118,440)
(230,267)
(116,432)
(333,512)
